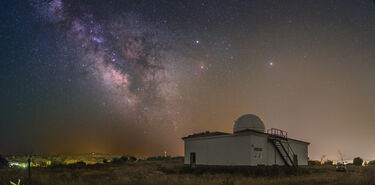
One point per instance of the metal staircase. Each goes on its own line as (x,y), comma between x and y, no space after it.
(279,139)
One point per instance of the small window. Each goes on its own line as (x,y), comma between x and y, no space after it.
(258,149)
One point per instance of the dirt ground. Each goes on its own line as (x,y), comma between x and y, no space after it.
(175,173)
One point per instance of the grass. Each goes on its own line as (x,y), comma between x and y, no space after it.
(175,173)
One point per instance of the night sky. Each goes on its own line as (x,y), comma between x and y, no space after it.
(134,77)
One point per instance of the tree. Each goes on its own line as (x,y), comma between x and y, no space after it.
(358,161)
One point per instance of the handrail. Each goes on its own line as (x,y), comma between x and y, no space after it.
(278,133)
(278,150)
(287,154)
(291,149)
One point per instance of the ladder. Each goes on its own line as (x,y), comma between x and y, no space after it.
(280,141)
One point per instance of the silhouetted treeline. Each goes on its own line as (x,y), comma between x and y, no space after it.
(3,162)
(167,158)
(123,159)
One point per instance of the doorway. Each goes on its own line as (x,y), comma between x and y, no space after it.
(192,159)
(295,160)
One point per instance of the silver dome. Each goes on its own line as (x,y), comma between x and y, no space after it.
(248,122)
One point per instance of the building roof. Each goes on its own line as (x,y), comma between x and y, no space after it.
(205,134)
(211,134)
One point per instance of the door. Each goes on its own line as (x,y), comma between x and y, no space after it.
(192,159)
(295,160)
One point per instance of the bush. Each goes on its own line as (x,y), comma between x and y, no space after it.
(159,158)
(371,162)
(80,163)
(358,161)
(124,158)
(120,160)
(3,162)
(132,158)
(116,161)
(313,163)
(253,171)
(178,158)
(328,162)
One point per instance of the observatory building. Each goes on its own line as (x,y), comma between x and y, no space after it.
(249,145)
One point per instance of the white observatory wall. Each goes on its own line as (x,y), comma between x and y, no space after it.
(273,157)
(258,149)
(301,150)
(225,150)
(238,150)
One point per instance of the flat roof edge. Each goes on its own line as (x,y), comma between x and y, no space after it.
(216,134)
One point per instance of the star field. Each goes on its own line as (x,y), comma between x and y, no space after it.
(136,76)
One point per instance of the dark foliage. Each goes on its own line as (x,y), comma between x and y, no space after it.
(124,158)
(121,160)
(358,161)
(3,162)
(132,158)
(162,158)
(371,162)
(328,162)
(246,171)
(79,164)
(313,163)
(116,161)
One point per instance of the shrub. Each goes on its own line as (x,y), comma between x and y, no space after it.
(116,161)
(371,162)
(80,163)
(124,158)
(120,160)
(178,158)
(159,158)
(328,162)
(314,163)
(358,161)
(3,162)
(132,158)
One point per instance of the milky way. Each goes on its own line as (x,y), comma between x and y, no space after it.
(123,55)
